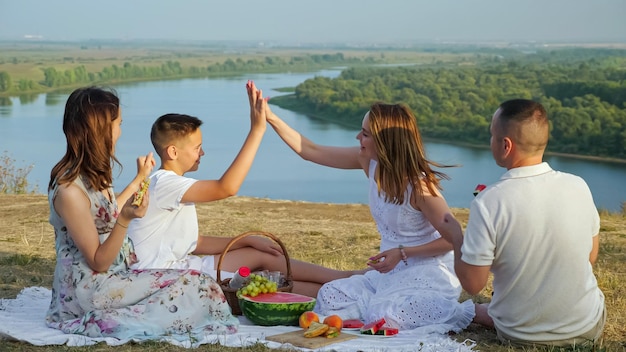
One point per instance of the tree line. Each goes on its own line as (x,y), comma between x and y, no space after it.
(54,78)
(586,101)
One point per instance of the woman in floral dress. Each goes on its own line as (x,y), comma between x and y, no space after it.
(94,292)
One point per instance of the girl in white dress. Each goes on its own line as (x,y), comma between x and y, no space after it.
(412,284)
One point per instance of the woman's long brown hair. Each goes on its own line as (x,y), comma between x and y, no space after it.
(401,156)
(87,120)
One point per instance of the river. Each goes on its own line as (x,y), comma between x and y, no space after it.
(31,133)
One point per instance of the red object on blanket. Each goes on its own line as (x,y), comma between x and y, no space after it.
(352,323)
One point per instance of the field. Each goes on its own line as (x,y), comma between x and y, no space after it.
(26,60)
(341,236)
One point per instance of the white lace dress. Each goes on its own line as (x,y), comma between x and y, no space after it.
(421,295)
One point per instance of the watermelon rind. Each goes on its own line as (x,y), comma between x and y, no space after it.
(275,313)
(386,331)
(373,327)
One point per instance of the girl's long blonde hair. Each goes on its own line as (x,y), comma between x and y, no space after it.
(401,157)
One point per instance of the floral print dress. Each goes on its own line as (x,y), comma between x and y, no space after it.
(125,303)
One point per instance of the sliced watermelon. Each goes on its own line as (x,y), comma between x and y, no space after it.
(352,324)
(387,331)
(373,327)
(278,308)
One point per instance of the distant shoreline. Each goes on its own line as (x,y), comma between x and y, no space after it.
(462,144)
(564,155)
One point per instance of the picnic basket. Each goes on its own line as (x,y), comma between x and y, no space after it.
(231,293)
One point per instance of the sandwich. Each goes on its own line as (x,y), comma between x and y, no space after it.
(143,188)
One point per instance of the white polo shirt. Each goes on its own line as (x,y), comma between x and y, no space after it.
(534,227)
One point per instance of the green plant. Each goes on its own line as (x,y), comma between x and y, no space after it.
(13,179)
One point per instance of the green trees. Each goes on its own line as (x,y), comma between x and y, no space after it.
(585,100)
(55,78)
(5,81)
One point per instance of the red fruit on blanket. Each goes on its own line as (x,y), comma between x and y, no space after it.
(373,327)
(387,331)
(352,324)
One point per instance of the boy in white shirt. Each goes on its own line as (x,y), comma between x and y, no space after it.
(167,236)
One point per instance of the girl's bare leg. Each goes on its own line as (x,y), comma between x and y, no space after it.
(300,270)
(306,288)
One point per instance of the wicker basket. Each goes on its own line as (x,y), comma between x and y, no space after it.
(231,293)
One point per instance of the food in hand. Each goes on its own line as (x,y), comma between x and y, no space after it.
(334,321)
(143,188)
(373,327)
(352,324)
(373,261)
(307,318)
(316,329)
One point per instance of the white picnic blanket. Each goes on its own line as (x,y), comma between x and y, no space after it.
(23,319)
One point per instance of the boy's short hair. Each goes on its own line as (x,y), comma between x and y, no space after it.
(170,128)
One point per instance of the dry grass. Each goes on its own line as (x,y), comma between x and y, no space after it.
(339,236)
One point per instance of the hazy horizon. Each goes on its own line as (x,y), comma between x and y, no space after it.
(323,21)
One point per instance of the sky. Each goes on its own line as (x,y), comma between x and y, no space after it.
(319,21)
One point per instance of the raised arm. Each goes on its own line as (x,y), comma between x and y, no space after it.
(337,157)
(230,182)
(145,164)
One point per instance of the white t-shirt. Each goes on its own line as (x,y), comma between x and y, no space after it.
(535,228)
(168,233)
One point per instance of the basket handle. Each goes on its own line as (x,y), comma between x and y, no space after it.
(254,233)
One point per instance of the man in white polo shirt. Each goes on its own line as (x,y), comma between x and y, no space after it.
(536,230)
